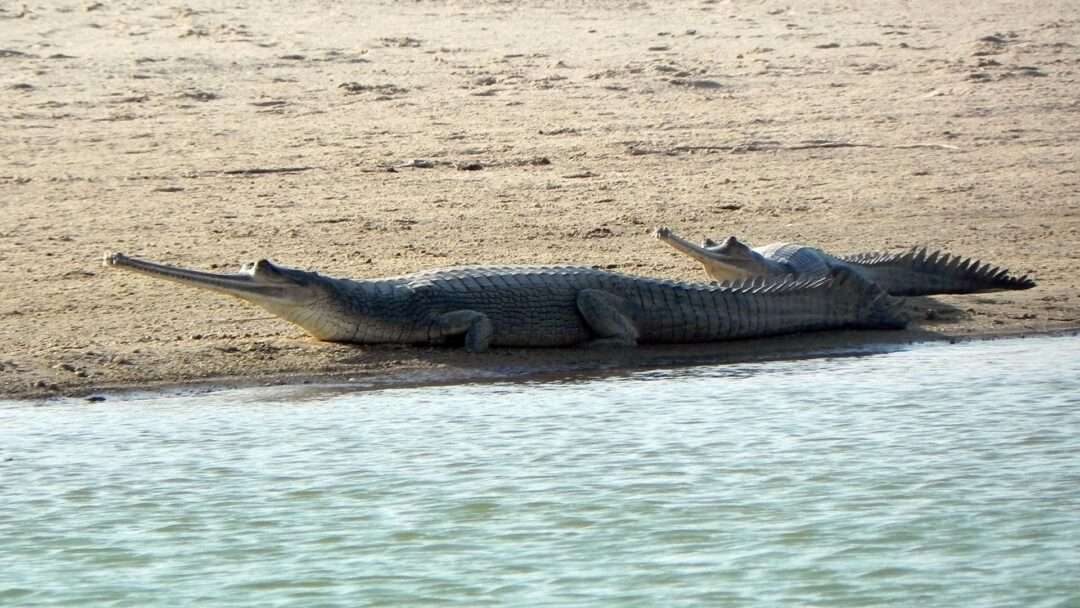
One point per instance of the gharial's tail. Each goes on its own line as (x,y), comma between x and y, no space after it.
(916,273)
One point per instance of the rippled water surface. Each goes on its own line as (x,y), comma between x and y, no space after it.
(940,475)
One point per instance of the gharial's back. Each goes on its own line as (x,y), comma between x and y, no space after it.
(801,259)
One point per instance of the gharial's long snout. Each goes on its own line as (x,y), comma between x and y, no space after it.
(240,285)
(718,262)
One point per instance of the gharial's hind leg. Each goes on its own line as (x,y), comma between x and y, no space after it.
(608,317)
(475,325)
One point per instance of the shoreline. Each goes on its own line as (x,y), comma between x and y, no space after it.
(554,365)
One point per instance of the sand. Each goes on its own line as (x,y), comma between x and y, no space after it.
(209,136)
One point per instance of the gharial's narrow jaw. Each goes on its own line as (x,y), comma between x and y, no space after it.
(262,283)
(731,260)
(307,299)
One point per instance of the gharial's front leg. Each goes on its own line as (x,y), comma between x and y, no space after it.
(608,316)
(476,326)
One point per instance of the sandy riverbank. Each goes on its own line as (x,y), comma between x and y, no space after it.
(209,137)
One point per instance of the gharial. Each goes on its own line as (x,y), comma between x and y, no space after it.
(913,273)
(486,306)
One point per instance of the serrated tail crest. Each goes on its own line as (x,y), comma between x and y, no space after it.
(916,272)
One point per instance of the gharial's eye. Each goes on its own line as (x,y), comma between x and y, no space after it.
(265,268)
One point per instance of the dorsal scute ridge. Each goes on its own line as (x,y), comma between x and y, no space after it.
(761,284)
(765,284)
(875,258)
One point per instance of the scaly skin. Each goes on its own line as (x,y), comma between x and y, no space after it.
(540,305)
(914,273)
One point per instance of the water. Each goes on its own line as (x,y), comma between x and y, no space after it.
(935,476)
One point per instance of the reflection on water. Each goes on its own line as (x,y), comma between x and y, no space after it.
(939,475)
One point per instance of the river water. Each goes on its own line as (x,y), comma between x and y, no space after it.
(939,475)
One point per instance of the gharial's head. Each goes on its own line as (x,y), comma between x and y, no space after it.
(283,291)
(727,261)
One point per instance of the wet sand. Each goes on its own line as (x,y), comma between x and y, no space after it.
(548,133)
